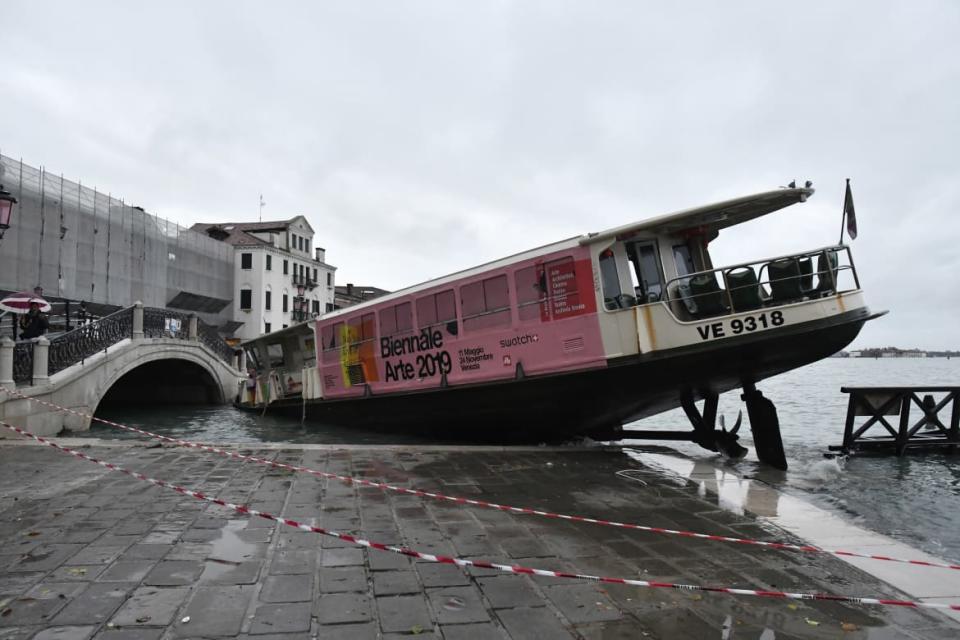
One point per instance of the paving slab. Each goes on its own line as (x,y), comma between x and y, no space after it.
(403,614)
(171,573)
(151,606)
(287,588)
(281,618)
(341,608)
(214,612)
(95,604)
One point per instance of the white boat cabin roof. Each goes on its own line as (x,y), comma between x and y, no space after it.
(708,219)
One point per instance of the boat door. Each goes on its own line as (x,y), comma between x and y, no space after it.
(646,272)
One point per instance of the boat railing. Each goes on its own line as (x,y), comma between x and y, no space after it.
(761,284)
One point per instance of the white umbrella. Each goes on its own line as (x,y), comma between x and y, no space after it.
(20,302)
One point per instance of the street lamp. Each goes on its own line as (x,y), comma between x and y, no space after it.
(6,209)
(298,304)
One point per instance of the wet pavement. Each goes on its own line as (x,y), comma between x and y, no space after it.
(88,553)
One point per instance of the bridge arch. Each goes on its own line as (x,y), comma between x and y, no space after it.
(165,376)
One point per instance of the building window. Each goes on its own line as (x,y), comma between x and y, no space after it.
(246,299)
(284,303)
(329,307)
(286,267)
(269,262)
(300,243)
(246,261)
(329,279)
(316,306)
(266,327)
(293,241)
(314,274)
(266,301)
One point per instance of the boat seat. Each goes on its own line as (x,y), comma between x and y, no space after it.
(683,297)
(745,292)
(806,274)
(707,294)
(824,280)
(785,280)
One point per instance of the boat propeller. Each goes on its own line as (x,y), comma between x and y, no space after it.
(726,441)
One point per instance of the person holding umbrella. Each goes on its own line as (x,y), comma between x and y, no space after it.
(33,322)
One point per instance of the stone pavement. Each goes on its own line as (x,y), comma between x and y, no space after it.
(88,553)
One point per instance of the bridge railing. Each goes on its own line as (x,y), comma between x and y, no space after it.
(24,363)
(79,344)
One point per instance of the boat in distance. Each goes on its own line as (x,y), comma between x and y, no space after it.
(574,338)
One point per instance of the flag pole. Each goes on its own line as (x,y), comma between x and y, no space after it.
(843,220)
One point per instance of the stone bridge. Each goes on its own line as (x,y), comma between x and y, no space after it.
(139,356)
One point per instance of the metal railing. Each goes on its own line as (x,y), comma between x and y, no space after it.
(760,284)
(164,323)
(208,335)
(79,344)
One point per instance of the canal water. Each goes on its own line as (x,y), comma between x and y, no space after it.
(915,499)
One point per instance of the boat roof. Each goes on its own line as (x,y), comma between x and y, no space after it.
(711,217)
(707,218)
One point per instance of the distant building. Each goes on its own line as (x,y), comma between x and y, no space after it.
(279,278)
(355,294)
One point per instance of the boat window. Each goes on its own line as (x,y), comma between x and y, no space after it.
(531,284)
(252,359)
(397,319)
(275,354)
(360,329)
(330,337)
(485,304)
(438,310)
(610,280)
(681,254)
(646,265)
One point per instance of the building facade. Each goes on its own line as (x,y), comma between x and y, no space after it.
(280,278)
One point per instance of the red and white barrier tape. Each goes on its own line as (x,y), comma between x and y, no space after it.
(782,546)
(482,564)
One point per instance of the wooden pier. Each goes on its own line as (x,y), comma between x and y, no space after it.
(879,403)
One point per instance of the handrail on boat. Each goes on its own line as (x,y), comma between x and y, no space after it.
(743,286)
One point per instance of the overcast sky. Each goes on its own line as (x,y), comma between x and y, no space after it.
(423,137)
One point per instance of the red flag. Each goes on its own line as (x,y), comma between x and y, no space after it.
(849,213)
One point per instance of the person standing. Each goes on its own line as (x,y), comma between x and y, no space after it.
(33,323)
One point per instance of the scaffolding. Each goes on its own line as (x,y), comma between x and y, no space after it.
(82,244)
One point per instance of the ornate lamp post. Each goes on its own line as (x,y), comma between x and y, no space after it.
(298,314)
(6,209)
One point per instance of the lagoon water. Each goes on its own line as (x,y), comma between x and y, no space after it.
(915,499)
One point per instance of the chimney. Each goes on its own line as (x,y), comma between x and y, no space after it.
(321,254)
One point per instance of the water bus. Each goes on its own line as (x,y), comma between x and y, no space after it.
(576,338)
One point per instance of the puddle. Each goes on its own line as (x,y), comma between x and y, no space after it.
(228,552)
